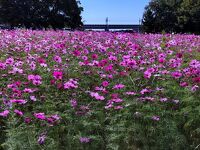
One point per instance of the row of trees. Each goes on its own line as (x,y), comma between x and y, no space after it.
(172,16)
(41,13)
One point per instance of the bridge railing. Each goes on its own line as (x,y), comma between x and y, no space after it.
(135,28)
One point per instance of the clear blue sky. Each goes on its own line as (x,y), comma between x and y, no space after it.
(117,11)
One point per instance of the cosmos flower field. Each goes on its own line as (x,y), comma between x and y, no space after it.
(99,90)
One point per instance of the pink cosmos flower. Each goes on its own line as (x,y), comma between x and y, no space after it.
(105,83)
(18,112)
(176,101)
(37,82)
(108,106)
(77,53)
(163,99)
(18,101)
(143,91)
(32,66)
(17,70)
(4,113)
(196,79)
(41,60)
(195,63)
(27,120)
(42,138)
(183,84)
(43,65)
(73,103)
(84,57)
(176,74)
(57,59)
(31,77)
(132,63)
(147,75)
(114,95)
(36,79)
(94,56)
(53,118)
(117,100)
(17,83)
(162,55)
(155,118)
(10,61)
(118,86)
(71,84)
(57,75)
(28,90)
(2,66)
(97,96)
(194,88)
(85,139)
(99,89)
(113,58)
(11,86)
(161,60)
(118,107)
(33,98)
(40,116)
(130,93)
(150,99)
(109,68)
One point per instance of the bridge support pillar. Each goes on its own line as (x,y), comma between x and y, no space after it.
(107,28)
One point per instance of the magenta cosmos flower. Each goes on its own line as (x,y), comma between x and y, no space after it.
(18,112)
(176,74)
(118,86)
(105,83)
(40,116)
(4,113)
(85,139)
(57,75)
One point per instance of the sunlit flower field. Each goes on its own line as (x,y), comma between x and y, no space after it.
(99,90)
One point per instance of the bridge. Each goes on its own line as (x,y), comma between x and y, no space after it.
(135,28)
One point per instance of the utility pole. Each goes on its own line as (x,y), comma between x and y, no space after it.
(140,22)
(107,27)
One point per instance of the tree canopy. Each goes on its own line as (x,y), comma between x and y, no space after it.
(41,13)
(172,16)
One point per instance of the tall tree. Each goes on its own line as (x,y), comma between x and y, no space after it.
(75,12)
(41,13)
(148,21)
(172,15)
(189,16)
(162,15)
